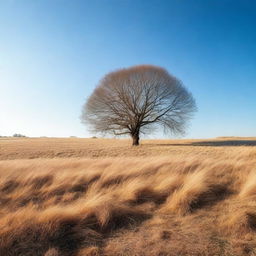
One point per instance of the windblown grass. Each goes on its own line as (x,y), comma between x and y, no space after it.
(175,205)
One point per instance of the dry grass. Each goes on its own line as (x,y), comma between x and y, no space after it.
(29,148)
(186,203)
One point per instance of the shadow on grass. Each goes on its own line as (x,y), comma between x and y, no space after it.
(212,143)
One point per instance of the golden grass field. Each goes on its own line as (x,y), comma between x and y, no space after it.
(78,197)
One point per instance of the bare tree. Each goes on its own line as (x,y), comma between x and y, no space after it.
(136,100)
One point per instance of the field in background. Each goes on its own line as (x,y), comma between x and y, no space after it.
(29,148)
(104,197)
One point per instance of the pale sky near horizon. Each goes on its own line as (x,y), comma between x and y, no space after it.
(54,52)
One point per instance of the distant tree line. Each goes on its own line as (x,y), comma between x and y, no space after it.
(18,135)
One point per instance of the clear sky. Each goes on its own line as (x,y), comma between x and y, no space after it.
(54,52)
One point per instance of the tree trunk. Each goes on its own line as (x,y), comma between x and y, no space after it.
(135,140)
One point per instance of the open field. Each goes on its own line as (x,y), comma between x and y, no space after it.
(29,148)
(103,197)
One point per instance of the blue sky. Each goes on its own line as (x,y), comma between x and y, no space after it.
(54,52)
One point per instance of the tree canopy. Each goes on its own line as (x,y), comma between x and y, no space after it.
(138,100)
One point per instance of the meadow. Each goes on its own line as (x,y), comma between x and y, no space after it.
(78,197)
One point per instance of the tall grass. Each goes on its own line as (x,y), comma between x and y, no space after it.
(129,206)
